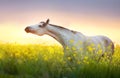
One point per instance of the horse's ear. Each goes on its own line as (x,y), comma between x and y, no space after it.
(47,22)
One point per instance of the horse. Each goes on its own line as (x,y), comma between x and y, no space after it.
(72,39)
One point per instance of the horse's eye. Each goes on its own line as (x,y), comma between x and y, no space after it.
(39,26)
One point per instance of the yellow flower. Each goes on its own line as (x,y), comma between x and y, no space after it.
(87,62)
(71,41)
(73,48)
(78,62)
(74,54)
(1,56)
(69,58)
(80,42)
(46,59)
(81,49)
(99,46)
(67,48)
(17,54)
(85,57)
(99,52)
(90,49)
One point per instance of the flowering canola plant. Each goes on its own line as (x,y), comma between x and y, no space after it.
(42,61)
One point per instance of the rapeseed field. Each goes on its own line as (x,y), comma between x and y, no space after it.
(41,61)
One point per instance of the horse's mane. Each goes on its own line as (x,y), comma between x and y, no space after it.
(63,28)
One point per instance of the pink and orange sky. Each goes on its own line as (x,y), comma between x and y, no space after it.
(90,17)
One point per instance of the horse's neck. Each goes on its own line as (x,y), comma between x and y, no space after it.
(65,36)
(61,35)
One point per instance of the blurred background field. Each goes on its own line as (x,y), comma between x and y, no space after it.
(41,61)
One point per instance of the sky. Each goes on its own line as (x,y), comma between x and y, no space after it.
(90,17)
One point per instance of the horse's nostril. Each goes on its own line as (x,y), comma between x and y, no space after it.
(27,29)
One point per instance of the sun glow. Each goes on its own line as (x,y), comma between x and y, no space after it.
(15,34)
(13,31)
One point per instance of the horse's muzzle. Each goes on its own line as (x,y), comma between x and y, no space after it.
(27,29)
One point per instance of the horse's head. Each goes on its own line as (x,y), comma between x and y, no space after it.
(38,29)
